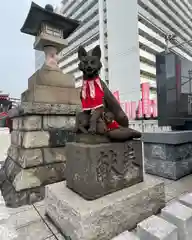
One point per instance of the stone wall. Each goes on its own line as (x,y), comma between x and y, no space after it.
(36,156)
(42,131)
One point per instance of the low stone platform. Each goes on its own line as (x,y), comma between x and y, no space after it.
(106,217)
(168,154)
(94,170)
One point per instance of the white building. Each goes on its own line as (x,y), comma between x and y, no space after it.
(100,19)
(39,59)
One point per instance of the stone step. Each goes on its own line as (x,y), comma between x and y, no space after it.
(156,228)
(181,216)
(126,236)
(105,217)
(186,200)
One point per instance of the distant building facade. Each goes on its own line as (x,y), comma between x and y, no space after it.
(118,28)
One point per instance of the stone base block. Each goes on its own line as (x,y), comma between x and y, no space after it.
(27,158)
(51,94)
(168,154)
(106,217)
(20,186)
(156,228)
(39,139)
(43,122)
(16,199)
(96,170)
(181,216)
(27,178)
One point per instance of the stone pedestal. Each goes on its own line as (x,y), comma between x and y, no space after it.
(94,170)
(104,193)
(36,156)
(106,217)
(168,154)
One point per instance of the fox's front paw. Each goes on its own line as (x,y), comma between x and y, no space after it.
(92,130)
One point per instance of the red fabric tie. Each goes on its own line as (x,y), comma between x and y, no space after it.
(113,125)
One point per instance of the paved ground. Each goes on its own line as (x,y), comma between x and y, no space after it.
(30,222)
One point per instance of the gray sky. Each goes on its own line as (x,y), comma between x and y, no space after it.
(17,62)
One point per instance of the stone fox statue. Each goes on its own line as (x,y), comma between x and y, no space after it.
(95,95)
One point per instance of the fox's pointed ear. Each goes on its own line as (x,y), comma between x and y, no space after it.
(81,52)
(97,51)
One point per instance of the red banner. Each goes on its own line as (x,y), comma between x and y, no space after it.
(146,107)
(116,95)
(139,110)
(145,87)
(133,110)
(128,109)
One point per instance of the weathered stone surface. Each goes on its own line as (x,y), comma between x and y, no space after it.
(30,157)
(29,123)
(13,152)
(33,177)
(168,161)
(156,228)
(52,94)
(47,108)
(53,155)
(16,138)
(16,123)
(91,139)
(40,139)
(104,218)
(35,139)
(15,199)
(126,236)
(168,137)
(26,157)
(186,199)
(50,76)
(181,216)
(59,137)
(32,139)
(61,122)
(11,169)
(26,179)
(96,170)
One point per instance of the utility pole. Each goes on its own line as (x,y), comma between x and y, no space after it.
(190,79)
(168,38)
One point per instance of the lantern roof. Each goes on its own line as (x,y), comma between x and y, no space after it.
(38,15)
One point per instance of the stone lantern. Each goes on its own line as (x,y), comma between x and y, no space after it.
(51,31)
(43,123)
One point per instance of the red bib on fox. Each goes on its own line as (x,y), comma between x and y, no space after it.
(92,94)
